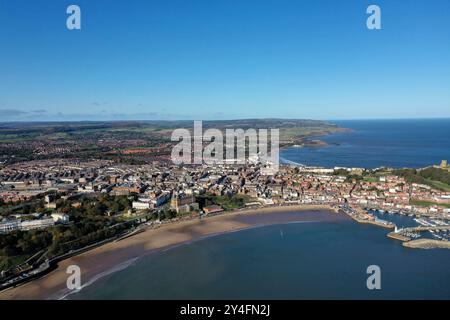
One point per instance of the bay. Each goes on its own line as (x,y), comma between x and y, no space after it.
(413,143)
(308,260)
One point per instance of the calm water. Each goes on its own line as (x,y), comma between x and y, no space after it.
(323,260)
(399,220)
(376,143)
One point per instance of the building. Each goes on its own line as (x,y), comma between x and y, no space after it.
(162,198)
(183,209)
(444,164)
(8,226)
(36,224)
(212,209)
(138,205)
(50,205)
(60,218)
(49,198)
(181,200)
(125,190)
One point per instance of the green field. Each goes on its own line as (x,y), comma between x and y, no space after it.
(429,204)
(371,179)
(439,185)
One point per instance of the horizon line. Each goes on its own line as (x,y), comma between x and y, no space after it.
(230,119)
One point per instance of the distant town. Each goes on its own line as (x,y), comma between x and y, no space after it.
(53,208)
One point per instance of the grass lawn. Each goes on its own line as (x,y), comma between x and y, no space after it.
(371,179)
(439,185)
(429,203)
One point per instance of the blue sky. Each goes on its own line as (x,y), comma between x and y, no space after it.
(224,59)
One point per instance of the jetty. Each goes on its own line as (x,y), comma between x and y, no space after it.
(398,236)
(427,244)
(361,216)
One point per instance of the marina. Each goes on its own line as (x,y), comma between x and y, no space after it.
(408,227)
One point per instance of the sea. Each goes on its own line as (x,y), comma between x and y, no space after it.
(310,260)
(378,143)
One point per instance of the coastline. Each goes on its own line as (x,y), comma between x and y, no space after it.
(427,244)
(101,260)
(313,140)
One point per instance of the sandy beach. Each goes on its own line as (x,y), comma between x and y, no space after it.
(103,259)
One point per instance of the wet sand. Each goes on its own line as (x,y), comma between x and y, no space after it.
(106,257)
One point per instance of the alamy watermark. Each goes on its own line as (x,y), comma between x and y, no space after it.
(374,280)
(73,281)
(237,146)
(374,20)
(73,21)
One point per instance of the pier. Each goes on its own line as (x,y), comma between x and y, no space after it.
(408,234)
(398,236)
(424,228)
(361,216)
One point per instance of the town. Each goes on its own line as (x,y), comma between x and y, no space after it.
(159,186)
(73,204)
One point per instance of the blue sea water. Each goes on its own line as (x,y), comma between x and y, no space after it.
(315,260)
(377,143)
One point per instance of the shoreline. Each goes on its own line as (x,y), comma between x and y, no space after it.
(427,244)
(101,260)
(313,140)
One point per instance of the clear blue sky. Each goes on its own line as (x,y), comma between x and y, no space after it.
(224,59)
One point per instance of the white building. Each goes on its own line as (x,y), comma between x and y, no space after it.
(140,205)
(36,224)
(8,226)
(60,217)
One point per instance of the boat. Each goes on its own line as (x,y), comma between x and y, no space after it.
(437,236)
(424,222)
